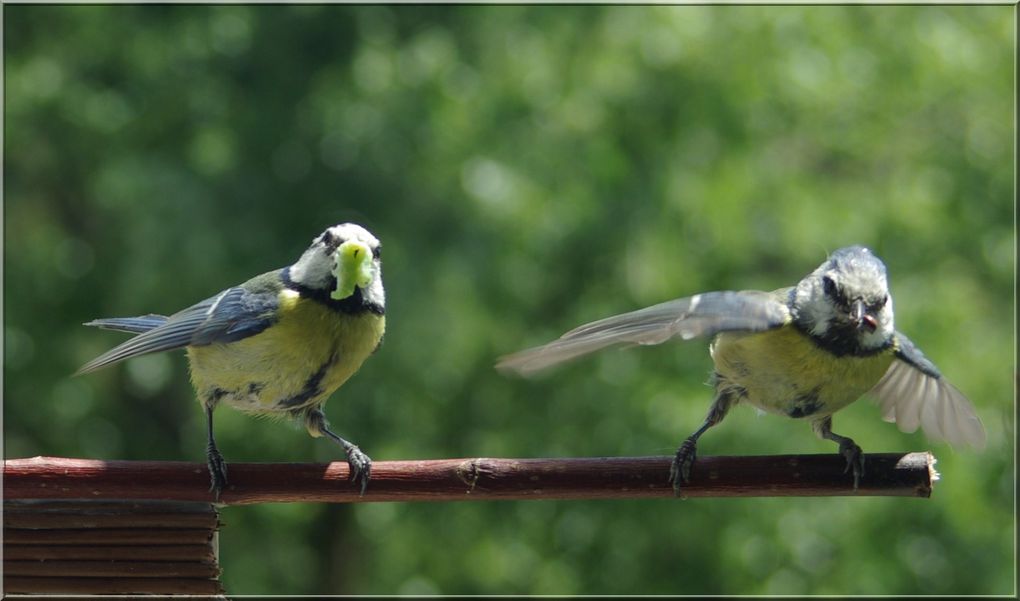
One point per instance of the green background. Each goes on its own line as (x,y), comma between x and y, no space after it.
(527,169)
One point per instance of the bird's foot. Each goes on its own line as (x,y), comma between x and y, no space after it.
(217,471)
(680,470)
(854,459)
(360,467)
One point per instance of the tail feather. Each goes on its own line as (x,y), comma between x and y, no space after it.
(135,325)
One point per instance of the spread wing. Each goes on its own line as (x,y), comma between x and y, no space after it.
(699,315)
(913,393)
(231,315)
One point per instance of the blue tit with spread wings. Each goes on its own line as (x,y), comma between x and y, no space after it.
(804,352)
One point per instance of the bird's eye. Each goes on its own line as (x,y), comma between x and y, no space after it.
(877,305)
(829,286)
(377,252)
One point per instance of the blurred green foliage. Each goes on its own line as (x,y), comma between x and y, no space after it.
(528,168)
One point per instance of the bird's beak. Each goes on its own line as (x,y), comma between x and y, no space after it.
(352,266)
(860,317)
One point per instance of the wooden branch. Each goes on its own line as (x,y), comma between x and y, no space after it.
(886,474)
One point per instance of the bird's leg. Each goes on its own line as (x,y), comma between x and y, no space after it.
(359,463)
(217,466)
(847,448)
(680,470)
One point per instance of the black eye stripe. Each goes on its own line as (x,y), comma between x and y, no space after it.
(330,239)
(332,242)
(829,285)
(877,305)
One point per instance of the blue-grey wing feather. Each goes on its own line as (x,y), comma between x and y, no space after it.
(232,315)
(913,393)
(238,314)
(136,325)
(695,316)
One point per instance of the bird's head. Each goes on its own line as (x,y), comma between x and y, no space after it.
(341,261)
(845,303)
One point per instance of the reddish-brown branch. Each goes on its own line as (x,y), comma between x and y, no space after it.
(886,474)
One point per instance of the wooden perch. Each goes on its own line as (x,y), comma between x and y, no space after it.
(886,474)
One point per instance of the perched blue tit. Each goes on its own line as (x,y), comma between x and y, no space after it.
(804,352)
(278,344)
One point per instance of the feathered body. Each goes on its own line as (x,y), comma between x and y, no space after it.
(334,344)
(781,371)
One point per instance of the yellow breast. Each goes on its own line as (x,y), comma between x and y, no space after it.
(299,361)
(784,371)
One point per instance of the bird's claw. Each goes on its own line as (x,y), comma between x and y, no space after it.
(217,472)
(680,469)
(854,460)
(360,467)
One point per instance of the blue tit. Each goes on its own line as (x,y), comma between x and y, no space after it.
(278,344)
(804,352)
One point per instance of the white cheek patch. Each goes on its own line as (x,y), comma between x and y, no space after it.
(822,314)
(873,340)
(815,308)
(312,269)
(883,333)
